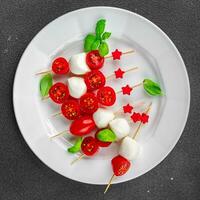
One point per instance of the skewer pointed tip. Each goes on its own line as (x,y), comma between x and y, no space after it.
(109,183)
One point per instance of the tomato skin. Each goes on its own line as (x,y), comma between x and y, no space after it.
(120,165)
(106,96)
(89,103)
(89,146)
(70,109)
(94,80)
(94,60)
(100,143)
(82,126)
(59,92)
(60,66)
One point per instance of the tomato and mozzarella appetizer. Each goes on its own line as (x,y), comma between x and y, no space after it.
(120,127)
(102,117)
(77,87)
(89,146)
(60,66)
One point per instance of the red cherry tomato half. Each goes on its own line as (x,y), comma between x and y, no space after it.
(89,103)
(94,60)
(94,80)
(89,146)
(106,96)
(100,143)
(70,109)
(59,92)
(82,126)
(120,165)
(60,66)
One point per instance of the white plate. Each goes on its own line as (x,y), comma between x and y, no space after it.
(157,58)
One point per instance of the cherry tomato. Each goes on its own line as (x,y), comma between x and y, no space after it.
(100,143)
(89,146)
(89,103)
(106,96)
(70,109)
(82,126)
(120,165)
(94,80)
(60,66)
(94,60)
(59,92)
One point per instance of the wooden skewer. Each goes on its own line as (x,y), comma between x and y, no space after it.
(77,159)
(134,136)
(135,86)
(106,57)
(58,134)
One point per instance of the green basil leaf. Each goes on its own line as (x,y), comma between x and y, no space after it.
(100,27)
(89,40)
(76,147)
(152,88)
(106,135)
(45,84)
(95,45)
(106,35)
(103,49)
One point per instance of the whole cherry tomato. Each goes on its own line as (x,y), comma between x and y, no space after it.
(89,103)
(94,60)
(120,165)
(59,93)
(106,96)
(60,66)
(94,80)
(89,146)
(71,109)
(82,126)
(100,143)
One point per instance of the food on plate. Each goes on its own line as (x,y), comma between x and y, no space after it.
(59,92)
(94,60)
(101,143)
(89,146)
(77,87)
(60,66)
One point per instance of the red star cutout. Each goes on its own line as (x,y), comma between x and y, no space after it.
(127,108)
(136,117)
(116,54)
(144,118)
(126,90)
(119,73)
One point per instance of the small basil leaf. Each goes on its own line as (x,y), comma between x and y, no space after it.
(100,27)
(95,45)
(103,49)
(45,84)
(89,40)
(106,35)
(152,88)
(106,135)
(76,147)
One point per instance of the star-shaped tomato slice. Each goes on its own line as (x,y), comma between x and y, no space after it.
(144,118)
(127,90)
(136,117)
(127,108)
(119,73)
(116,54)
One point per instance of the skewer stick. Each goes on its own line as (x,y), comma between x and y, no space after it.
(109,183)
(134,136)
(135,86)
(58,134)
(129,70)
(124,53)
(77,159)
(106,57)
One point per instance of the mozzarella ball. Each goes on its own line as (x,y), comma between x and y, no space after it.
(129,148)
(77,64)
(77,87)
(102,117)
(120,127)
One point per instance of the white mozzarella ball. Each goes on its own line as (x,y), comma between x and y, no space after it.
(120,127)
(102,117)
(129,148)
(78,65)
(77,87)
